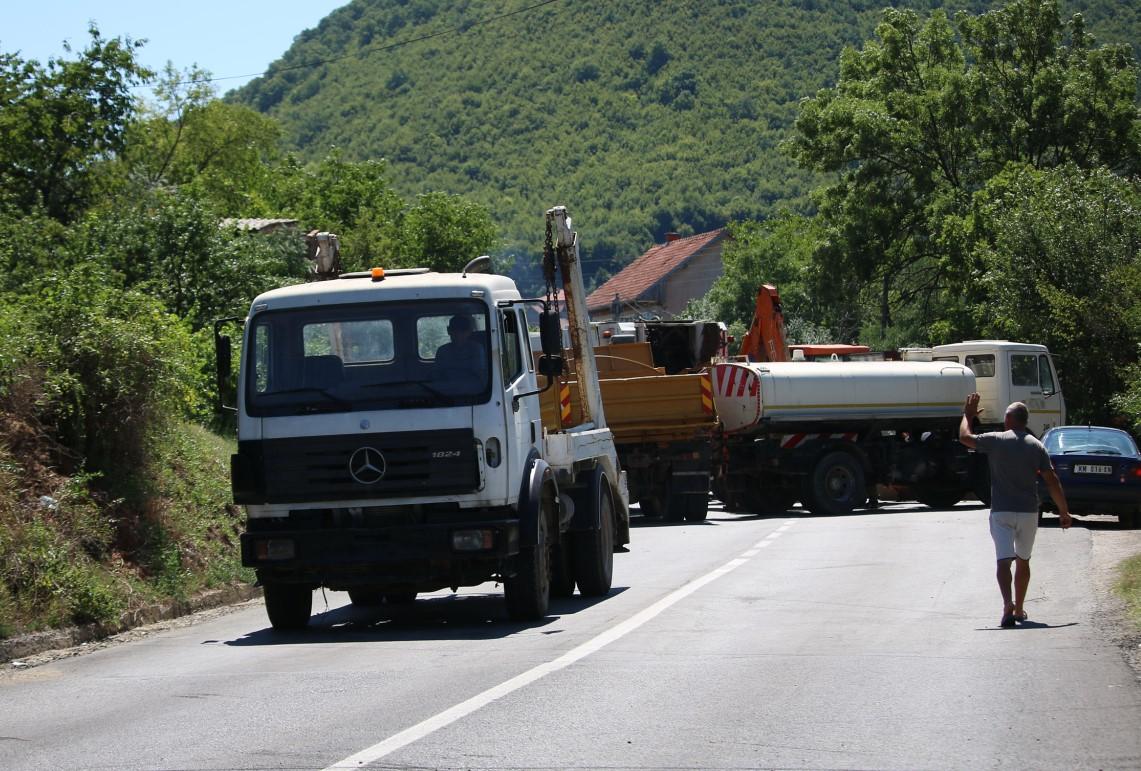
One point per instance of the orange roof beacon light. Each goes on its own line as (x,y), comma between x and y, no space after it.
(377,274)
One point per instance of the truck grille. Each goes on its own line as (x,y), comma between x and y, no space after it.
(355,466)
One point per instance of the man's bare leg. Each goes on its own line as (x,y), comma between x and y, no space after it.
(1003,576)
(1021,584)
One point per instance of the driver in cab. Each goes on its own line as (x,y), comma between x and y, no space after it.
(462,361)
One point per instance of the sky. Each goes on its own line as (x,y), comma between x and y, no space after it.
(235,41)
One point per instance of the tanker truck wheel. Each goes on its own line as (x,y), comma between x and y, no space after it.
(593,550)
(288,606)
(836,485)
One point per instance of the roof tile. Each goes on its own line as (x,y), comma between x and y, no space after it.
(641,275)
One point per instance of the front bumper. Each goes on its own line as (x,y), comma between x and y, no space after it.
(424,555)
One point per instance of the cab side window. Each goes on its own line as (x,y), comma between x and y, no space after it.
(1024,370)
(509,344)
(1045,376)
(981,364)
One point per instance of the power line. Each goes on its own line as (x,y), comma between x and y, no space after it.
(368,50)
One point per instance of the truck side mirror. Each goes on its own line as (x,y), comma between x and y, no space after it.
(223,361)
(223,350)
(550,366)
(551,333)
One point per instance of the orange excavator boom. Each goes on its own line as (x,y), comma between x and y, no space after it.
(765,339)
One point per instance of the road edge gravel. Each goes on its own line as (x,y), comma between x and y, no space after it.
(13,649)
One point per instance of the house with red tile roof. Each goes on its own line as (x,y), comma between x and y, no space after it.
(661,281)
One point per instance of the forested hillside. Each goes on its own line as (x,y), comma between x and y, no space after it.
(644,115)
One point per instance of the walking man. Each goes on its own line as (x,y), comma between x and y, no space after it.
(1016,460)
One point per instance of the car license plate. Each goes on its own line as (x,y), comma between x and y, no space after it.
(1087,468)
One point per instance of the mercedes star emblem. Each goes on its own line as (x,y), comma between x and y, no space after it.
(366,466)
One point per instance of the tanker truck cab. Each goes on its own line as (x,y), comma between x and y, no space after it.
(1008,372)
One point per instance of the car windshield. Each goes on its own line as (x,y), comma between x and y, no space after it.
(375,356)
(1089,441)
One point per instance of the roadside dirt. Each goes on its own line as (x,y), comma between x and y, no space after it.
(32,650)
(1112,545)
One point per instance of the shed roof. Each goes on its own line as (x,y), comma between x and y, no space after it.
(257,224)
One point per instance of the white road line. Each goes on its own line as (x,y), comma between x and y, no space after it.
(465,708)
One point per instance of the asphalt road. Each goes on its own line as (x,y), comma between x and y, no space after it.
(868,641)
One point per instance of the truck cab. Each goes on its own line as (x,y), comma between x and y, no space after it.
(361,370)
(1007,372)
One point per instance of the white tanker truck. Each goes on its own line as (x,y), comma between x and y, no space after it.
(827,433)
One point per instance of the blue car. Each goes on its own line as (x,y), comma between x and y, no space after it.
(1100,471)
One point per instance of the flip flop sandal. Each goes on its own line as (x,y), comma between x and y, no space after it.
(1020,617)
(1007,621)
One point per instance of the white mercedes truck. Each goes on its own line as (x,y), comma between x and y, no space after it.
(377,457)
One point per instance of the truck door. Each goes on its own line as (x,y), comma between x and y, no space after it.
(1033,381)
(523,419)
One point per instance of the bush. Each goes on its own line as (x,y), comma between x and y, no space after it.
(115,365)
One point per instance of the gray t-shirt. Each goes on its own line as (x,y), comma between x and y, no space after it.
(1015,458)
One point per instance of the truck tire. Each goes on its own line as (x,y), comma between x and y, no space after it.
(593,550)
(288,606)
(836,484)
(528,592)
(562,569)
(677,507)
(650,505)
(696,507)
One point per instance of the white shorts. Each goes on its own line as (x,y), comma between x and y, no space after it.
(1013,533)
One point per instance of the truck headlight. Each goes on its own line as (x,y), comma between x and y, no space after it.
(275,549)
(473,540)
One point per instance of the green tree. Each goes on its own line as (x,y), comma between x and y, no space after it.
(1062,259)
(59,122)
(778,252)
(353,200)
(445,232)
(189,138)
(170,245)
(921,118)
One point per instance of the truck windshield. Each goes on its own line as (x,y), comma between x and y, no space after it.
(375,356)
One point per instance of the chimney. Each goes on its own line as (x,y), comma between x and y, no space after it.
(671,237)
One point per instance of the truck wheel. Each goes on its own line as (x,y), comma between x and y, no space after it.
(697,507)
(836,484)
(651,506)
(528,592)
(677,507)
(593,550)
(562,570)
(288,606)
